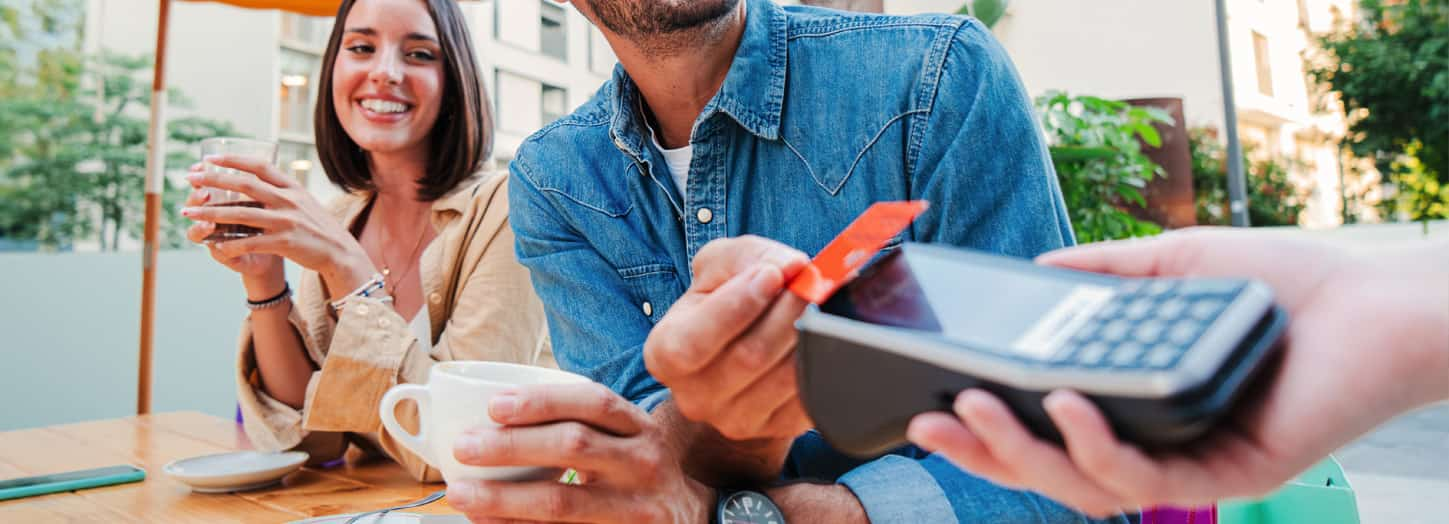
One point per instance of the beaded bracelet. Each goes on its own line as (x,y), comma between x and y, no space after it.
(286,293)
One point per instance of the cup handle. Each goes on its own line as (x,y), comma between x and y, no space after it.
(417,443)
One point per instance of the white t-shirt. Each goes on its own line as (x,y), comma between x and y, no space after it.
(422,327)
(678,161)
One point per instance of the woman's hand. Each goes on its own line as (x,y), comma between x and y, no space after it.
(262,274)
(293,225)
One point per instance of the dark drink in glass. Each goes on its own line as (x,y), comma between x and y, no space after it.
(234,231)
(234,147)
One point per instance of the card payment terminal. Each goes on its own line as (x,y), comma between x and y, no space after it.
(1162,358)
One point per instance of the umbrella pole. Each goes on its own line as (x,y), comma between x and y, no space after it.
(155,173)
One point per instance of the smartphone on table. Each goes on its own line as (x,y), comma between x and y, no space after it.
(69,481)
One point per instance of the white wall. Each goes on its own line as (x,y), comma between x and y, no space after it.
(1109,48)
(922,6)
(1118,49)
(72,330)
(521,111)
(602,60)
(519,23)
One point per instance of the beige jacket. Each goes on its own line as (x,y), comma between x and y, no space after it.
(481,307)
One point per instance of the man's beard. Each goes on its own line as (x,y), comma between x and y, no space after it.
(649,23)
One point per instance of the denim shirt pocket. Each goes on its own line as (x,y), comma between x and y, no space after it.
(654,288)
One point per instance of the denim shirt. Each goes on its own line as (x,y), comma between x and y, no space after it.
(821,114)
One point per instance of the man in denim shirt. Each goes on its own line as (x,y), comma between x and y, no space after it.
(730,118)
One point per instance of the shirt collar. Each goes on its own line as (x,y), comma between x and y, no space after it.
(457,199)
(753,92)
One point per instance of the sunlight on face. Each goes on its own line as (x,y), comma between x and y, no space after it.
(387,80)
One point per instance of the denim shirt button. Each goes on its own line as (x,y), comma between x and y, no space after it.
(704,215)
(648,309)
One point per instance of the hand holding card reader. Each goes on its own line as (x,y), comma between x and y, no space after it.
(1163,359)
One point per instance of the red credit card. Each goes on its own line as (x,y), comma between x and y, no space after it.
(852,248)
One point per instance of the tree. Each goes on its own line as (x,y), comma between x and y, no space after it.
(1273,199)
(1391,70)
(1421,197)
(73,153)
(38,61)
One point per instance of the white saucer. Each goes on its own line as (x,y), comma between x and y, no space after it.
(396,517)
(235,471)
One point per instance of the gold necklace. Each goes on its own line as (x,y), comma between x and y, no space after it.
(412,263)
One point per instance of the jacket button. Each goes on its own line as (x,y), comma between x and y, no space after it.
(435,298)
(704,215)
(382,322)
(362,310)
(648,309)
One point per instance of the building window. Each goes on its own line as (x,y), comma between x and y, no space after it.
(555,102)
(297,90)
(298,159)
(1261,57)
(553,33)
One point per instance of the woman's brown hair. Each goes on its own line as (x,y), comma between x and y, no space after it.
(460,140)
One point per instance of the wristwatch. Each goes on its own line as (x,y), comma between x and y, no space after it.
(746,507)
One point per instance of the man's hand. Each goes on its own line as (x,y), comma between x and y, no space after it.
(726,348)
(629,473)
(1340,376)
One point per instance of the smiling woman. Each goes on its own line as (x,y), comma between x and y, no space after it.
(414,265)
(382,103)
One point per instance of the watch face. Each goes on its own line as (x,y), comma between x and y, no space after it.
(747,507)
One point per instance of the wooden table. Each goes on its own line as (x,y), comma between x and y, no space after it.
(150,442)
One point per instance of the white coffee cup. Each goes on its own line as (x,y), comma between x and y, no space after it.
(454,400)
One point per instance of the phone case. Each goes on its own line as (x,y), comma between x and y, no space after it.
(135,475)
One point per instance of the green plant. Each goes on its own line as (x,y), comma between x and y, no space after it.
(73,158)
(1209,177)
(1273,198)
(1099,160)
(989,12)
(1391,70)
(1421,197)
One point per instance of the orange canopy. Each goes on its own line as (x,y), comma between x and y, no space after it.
(306,7)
